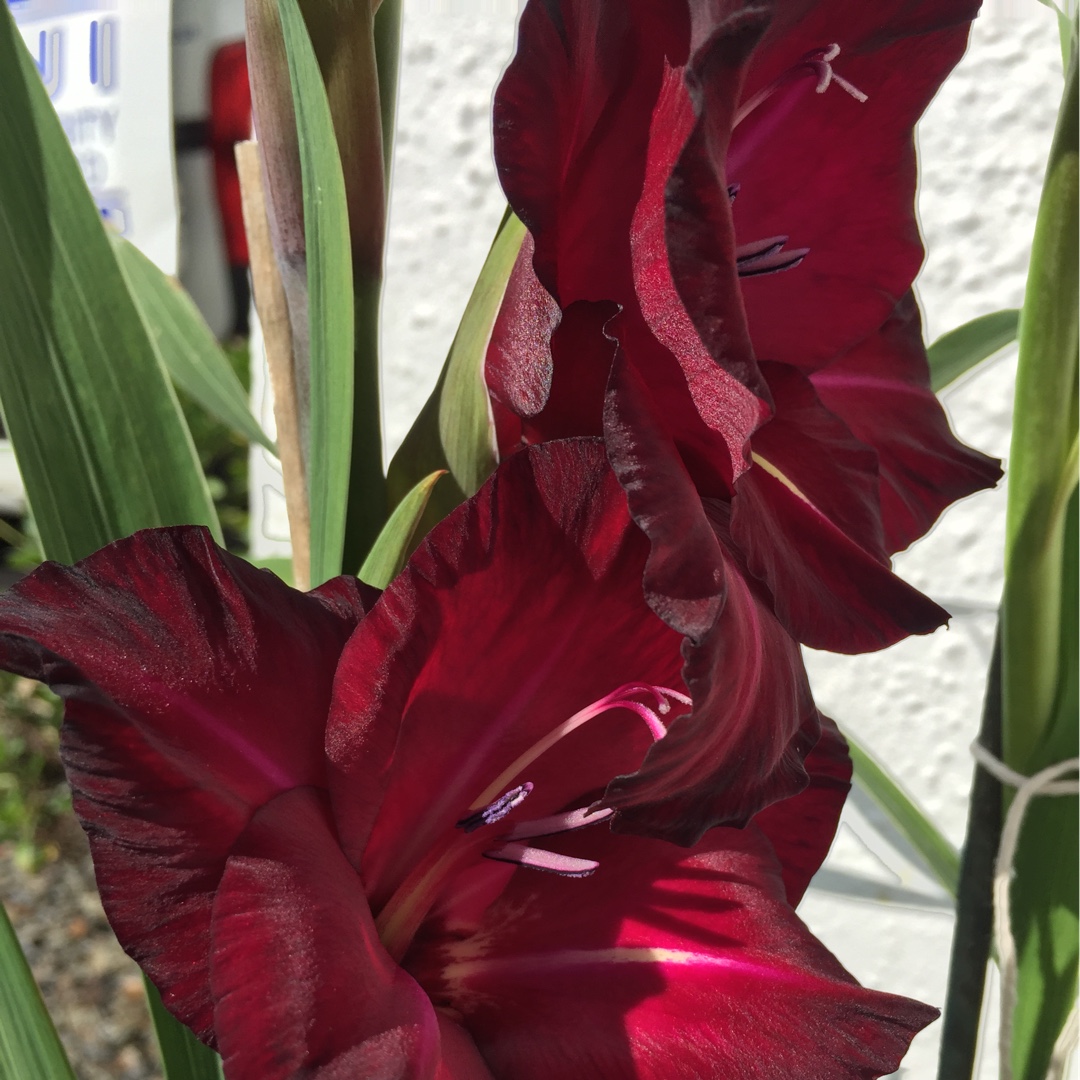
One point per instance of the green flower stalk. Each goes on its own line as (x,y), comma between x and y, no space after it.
(1039,627)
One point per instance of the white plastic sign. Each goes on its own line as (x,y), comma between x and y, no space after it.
(105,64)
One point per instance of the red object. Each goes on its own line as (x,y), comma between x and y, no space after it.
(230,123)
(723,232)
(290,799)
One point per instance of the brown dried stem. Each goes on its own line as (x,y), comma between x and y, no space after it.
(273,312)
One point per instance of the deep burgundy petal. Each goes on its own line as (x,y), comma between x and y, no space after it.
(881,389)
(517,365)
(717,391)
(801,829)
(548,367)
(571,127)
(700,232)
(698,388)
(664,965)
(520,609)
(743,744)
(601,243)
(835,174)
(684,577)
(302,986)
(817,453)
(582,355)
(197,688)
(828,592)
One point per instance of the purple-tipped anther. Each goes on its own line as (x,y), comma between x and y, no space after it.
(767,257)
(497,810)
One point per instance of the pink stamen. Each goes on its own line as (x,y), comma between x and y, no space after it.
(538,859)
(559,823)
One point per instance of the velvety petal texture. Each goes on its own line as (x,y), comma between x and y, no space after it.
(684,577)
(881,391)
(196,689)
(302,986)
(664,964)
(571,122)
(699,229)
(827,591)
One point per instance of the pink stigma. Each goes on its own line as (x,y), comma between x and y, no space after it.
(826,75)
(816,63)
(625,697)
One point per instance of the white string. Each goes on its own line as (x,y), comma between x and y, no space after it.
(1045,782)
(1063,1048)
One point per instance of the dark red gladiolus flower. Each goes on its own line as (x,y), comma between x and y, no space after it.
(720,200)
(347,844)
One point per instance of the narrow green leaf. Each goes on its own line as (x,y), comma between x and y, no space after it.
(464,412)
(940,857)
(98,433)
(961,349)
(187,346)
(367,507)
(330,300)
(1039,607)
(346,36)
(453,431)
(1066,31)
(392,548)
(388,62)
(183,1056)
(29,1046)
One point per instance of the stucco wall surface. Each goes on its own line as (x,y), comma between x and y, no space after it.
(983,147)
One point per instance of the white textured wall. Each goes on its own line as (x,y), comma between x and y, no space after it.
(983,147)
(445,203)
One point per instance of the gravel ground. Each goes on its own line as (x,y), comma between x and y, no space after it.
(92,989)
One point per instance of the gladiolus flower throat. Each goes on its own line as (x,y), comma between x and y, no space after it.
(404,912)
